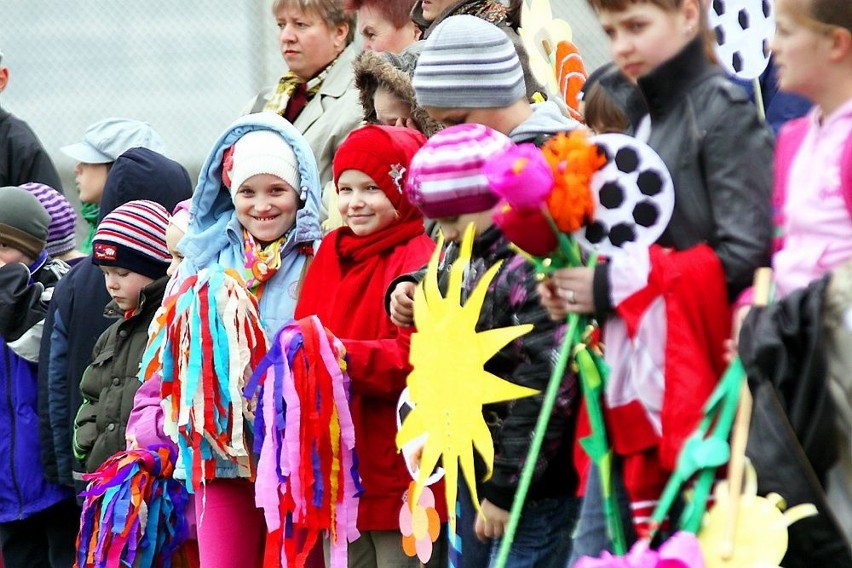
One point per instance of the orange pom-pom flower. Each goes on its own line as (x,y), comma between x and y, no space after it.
(573,160)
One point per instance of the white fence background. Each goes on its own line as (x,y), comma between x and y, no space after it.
(188,67)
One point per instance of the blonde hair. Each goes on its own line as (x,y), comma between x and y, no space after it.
(331,12)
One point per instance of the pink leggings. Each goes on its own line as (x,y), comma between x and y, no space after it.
(231,529)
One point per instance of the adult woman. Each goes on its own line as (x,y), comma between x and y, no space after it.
(383,25)
(317,94)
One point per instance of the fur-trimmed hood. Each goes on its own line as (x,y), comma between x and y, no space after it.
(392,71)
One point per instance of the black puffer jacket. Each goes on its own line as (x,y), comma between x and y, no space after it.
(110,382)
(720,155)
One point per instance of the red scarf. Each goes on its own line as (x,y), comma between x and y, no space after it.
(345,286)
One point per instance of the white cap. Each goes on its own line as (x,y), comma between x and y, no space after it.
(263,152)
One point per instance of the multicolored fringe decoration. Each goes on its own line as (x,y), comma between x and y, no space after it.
(307,473)
(134,513)
(206,339)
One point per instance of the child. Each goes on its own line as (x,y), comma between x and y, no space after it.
(383,237)
(255,210)
(102,144)
(469,71)
(145,423)
(452,158)
(722,189)
(38,519)
(75,318)
(130,249)
(813,205)
(384,85)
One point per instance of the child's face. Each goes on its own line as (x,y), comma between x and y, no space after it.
(9,255)
(798,49)
(124,286)
(456,116)
(363,205)
(390,109)
(453,228)
(173,237)
(643,36)
(91,179)
(266,207)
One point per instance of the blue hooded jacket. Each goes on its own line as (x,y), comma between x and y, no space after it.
(24,490)
(215,234)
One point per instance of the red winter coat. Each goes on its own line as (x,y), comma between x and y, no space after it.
(345,287)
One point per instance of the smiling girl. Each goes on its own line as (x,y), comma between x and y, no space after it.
(254,210)
(383,237)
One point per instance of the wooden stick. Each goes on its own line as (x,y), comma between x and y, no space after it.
(739,438)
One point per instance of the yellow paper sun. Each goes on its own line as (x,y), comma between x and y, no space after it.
(449,384)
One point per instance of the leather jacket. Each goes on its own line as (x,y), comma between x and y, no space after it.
(719,153)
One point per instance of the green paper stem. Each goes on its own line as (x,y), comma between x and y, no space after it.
(538,437)
(569,255)
(712,434)
(597,446)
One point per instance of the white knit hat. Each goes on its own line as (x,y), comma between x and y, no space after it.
(263,152)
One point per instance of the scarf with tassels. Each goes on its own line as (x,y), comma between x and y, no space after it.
(261,262)
(307,473)
(207,339)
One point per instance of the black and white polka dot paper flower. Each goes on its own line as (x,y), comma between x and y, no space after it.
(742,29)
(634,197)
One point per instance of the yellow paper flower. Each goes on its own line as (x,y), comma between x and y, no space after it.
(449,384)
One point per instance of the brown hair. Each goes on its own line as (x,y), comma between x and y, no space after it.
(397,12)
(831,12)
(331,12)
(668,6)
(601,113)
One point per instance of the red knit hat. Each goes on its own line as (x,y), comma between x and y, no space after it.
(383,153)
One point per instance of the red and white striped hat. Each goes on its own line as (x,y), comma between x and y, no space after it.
(133,236)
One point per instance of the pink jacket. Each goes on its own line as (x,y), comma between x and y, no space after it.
(813,198)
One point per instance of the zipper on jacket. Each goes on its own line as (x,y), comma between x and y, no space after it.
(12,433)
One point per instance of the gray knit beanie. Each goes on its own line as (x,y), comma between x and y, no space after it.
(23,221)
(468,63)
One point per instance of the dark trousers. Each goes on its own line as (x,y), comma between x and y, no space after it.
(44,540)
